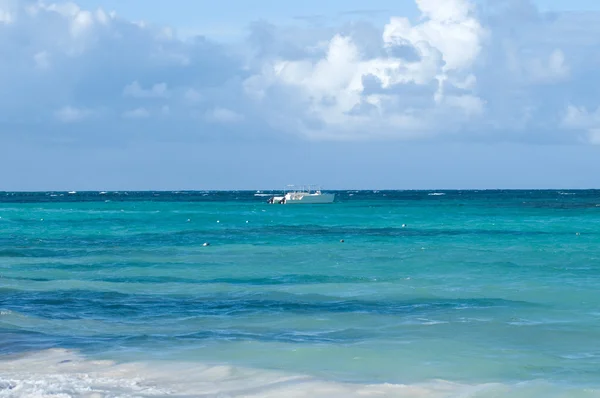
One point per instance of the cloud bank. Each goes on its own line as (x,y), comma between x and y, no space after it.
(496,71)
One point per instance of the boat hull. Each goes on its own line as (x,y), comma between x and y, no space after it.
(303,198)
(276,200)
(309,199)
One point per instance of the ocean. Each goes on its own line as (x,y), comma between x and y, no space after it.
(380,294)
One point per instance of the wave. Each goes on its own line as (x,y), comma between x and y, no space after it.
(75,304)
(61,372)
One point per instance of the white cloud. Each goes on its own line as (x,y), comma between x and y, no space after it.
(450,28)
(544,68)
(444,48)
(469,104)
(138,113)
(73,29)
(459,71)
(223,115)
(79,20)
(135,90)
(581,120)
(556,67)
(8,10)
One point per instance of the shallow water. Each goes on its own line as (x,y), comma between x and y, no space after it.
(461,293)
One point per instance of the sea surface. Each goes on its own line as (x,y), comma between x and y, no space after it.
(430,294)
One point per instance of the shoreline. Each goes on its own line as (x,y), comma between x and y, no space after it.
(61,372)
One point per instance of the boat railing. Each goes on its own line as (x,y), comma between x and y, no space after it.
(302,189)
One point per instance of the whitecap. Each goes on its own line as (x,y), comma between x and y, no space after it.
(61,372)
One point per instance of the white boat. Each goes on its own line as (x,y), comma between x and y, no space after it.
(303,195)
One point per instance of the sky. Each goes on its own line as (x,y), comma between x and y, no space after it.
(404,94)
(228,19)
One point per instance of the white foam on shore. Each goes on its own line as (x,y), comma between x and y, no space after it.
(60,373)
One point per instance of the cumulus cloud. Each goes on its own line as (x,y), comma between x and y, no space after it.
(435,58)
(138,113)
(135,90)
(581,119)
(464,70)
(223,115)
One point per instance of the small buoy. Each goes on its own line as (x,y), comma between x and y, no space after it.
(188,220)
(577,234)
(218,221)
(41,219)
(341,240)
(246,221)
(403,225)
(206,244)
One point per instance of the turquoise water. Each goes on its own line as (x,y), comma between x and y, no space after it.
(458,293)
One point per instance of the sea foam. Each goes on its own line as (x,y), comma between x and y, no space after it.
(66,373)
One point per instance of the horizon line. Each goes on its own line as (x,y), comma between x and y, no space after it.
(270,189)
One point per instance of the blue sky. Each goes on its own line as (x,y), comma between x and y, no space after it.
(229,18)
(412,94)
